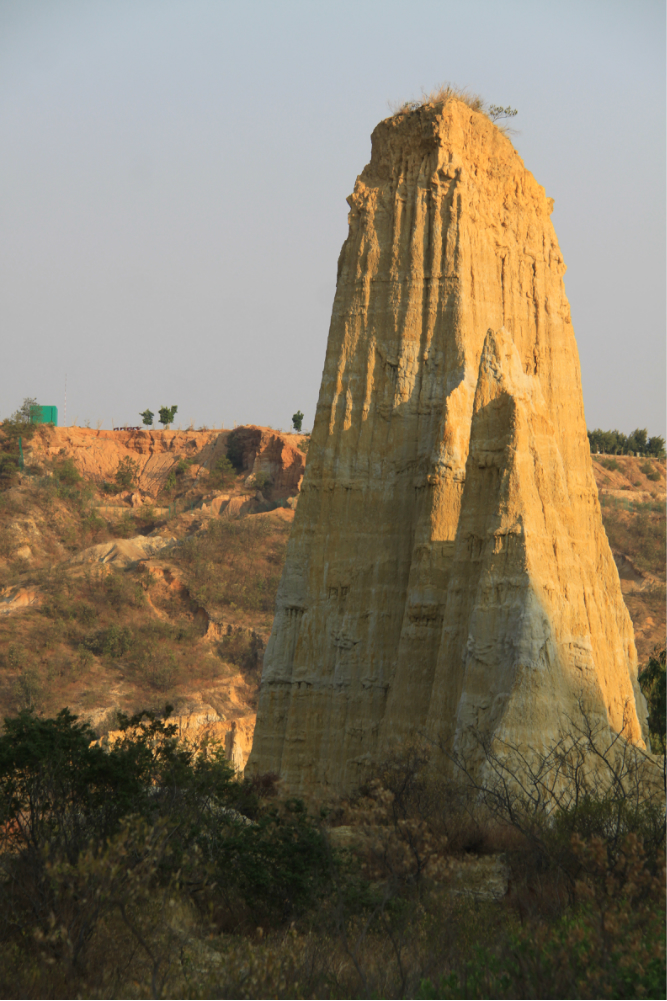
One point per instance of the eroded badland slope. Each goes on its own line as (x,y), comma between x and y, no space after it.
(125,601)
(632,498)
(117,599)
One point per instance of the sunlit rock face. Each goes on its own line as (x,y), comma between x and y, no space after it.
(448,575)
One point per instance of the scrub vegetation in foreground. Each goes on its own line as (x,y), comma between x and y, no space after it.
(145,870)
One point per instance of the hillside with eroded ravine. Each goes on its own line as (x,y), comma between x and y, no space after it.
(140,568)
(161,587)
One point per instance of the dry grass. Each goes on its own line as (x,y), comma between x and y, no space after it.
(100,636)
(236,564)
(442,95)
(638,531)
(438,97)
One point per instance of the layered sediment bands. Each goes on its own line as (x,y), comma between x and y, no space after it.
(447,567)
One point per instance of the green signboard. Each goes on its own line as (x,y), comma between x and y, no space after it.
(44,415)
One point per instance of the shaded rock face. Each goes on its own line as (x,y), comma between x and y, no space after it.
(273,452)
(448,573)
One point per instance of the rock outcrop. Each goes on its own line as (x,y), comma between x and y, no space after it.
(203,727)
(448,573)
(263,450)
(97,454)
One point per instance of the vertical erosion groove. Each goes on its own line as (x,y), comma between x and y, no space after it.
(447,560)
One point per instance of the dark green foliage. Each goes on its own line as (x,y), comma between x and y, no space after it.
(496,111)
(66,472)
(574,957)
(280,863)
(8,469)
(297,421)
(183,465)
(616,443)
(223,472)
(64,799)
(115,641)
(652,681)
(56,788)
(656,446)
(235,451)
(147,417)
(127,473)
(20,424)
(167,414)
(124,871)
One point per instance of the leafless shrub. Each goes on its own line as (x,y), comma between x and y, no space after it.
(590,783)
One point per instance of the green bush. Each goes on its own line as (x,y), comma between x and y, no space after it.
(20,424)
(97,846)
(262,479)
(115,641)
(650,472)
(124,870)
(223,472)
(127,473)
(66,472)
(652,681)
(617,443)
(93,524)
(120,591)
(8,469)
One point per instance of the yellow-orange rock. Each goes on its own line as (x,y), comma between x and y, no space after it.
(447,572)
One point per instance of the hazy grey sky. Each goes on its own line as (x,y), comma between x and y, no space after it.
(174,174)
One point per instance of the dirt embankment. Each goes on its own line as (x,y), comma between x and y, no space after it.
(630,477)
(98,454)
(632,496)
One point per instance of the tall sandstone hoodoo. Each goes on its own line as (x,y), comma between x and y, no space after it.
(448,573)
